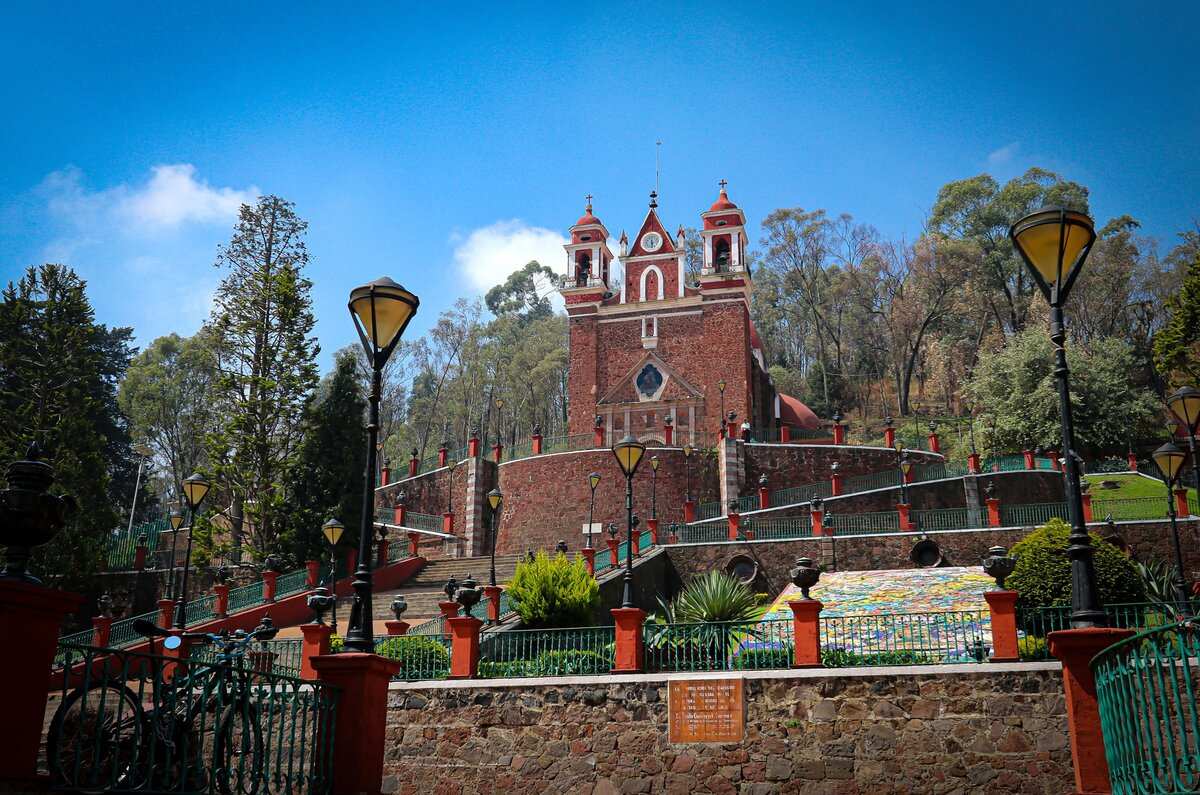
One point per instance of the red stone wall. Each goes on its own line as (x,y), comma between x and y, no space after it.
(581,375)
(795,465)
(427,492)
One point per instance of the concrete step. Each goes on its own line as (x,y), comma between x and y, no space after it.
(424,591)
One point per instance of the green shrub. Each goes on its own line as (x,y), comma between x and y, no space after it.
(844,658)
(1031,647)
(757,659)
(420,657)
(554,592)
(1043,572)
(715,596)
(565,662)
(336,643)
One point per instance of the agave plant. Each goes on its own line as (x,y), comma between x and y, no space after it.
(1158,577)
(707,622)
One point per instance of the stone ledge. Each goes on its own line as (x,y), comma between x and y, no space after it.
(958,669)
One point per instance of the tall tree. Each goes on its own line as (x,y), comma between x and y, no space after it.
(261,341)
(1177,345)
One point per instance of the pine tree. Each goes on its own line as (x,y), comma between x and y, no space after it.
(263,349)
(1177,345)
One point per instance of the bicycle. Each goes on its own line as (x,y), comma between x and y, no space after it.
(103,737)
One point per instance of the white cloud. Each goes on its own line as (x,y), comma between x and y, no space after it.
(1004,154)
(487,255)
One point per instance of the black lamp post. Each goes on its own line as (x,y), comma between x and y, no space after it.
(451,465)
(195,488)
(1054,243)
(628,452)
(593,482)
(495,502)
(1184,403)
(381,311)
(902,460)
(176,520)
(332,530)
(687,461)
(1170,460)
(654,487)
(721,388)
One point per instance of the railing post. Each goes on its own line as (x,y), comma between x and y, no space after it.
(268,582)
(414,465)
(1131,460)
(101,627)
(413,540)
(492,594)
(1028,454)
(614,550)
(315,644)
(629,656)
(734,522)
(464,647)
(139,555)
(1181,503)
(381,553)
(1054,463)
(835,484)
(785,434)
(668,434)
(839,433)
(497,452)
(396,627)
(313,568)
(598,436)
(589,560)
(399,514)
(993,509)
(449,609)
(934,444)
(1087,507)
(221,600)
(806,633)
(443,456)
(902,510)
(1076,648)
(1003,608)
(637,542)
(362,681)
(764,497)
(818,520)
(689,511)
(973,464)
(652,526)
(33,614)
(473,446)
(537,444)
(889,437)
(385,472)
(448,522)
(166,613)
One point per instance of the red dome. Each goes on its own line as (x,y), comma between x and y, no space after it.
(587,218)
(722,203)
(793,412)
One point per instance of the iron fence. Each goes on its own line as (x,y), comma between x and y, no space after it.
(945,519)
(121,545)
(798,494)
(904,638)
(718,645)
(547,652)
(854,524)
(421,656)
(1034,624)
(1131,508)
(1033,514)
(779,527)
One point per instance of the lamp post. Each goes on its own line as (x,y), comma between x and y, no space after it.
(332,531)
(451,465)
(1170,460)
(687,460)
(495,502)
(1054,243)
(143,453)
(381,311)
(176,520)
(628,452)
(1184,403)
(902,460)
(654,487)
(593,482)
(721,388)
(195,488)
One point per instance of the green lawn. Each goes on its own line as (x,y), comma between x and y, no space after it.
(1136,497)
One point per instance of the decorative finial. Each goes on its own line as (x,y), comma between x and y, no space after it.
(653,199)
(588,199)
(722,183)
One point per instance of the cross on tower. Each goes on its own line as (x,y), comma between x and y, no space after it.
(722,183)
(588,199)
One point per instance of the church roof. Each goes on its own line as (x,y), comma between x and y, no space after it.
(793,412)
(722,203)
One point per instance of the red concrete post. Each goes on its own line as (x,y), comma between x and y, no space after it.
(492,594)
(473,447)
(221,606)
(839,433)
(1076,648)
(315,644)
(385,472)
(537,444)
(269,578)
(101,627)
(448,609)
(395,628)
(166,613)
(448,522)
(589,560)
(33,614)
(313,575)
(689,511)
(668,434)
(993,508)
(598,436)
(139,557)
(934,445)
(464,647)
(637,545)
(614,550)
(414,464)
(1087,506)
(905,521)
(806,633)
(889,437)
(362,681)
(652,526)
(764,498)
(1054,464)
(785,434)
(973,463)
(1028,458)
(413,540)
(818,521)
(629,657)
(497,452)
(835,484)
(381,553)
(1003,608)
(443,456)
(1132,461)
(734,522)
(1181,504)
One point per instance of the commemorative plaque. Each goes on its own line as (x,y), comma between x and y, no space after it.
(705,711)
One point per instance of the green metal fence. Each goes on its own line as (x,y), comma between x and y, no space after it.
(200,609)
(143,723)
(290,583)
(1033,624)
(946,519)
(422,521)
(245,596)
(798,494)
(547,652)
(855,524)
(421,656)
(1129,508)
(563,444)
(748,503)
(1033,514)
(718,645)
(904,638)
(1004,463)
(1148,691)
(706,533)
(121,632)
(781,527)
(888,478)
(708,510)
(121,545)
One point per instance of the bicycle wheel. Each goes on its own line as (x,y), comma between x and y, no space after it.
(94,739)
(238,756)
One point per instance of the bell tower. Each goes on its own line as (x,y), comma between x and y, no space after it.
(724,237)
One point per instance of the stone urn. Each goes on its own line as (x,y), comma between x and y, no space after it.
(450,588)
(805,575)
(998,565)
(29,517)
(468,598)
(320,601)
(399,605)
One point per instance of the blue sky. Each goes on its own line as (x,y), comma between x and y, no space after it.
(445,146)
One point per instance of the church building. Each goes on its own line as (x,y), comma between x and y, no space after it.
(651,348)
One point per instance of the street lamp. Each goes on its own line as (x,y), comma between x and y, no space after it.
(175,518)
(687,460)
(195,488)
(495,502)
(628,452)
(332,531)
(593,482)
(654,487)
(1170,460)
(451,465)
(721,388)
(1054,243)
(381,311)
(905,468)
(1184,403)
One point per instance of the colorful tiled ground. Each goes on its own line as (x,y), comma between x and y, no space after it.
(848,593)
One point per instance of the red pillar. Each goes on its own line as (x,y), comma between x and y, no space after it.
(629,657)
(1057,467)
(413,539)
(315,644)
(492,594)
(973,463)
(385,472)
(637,545)
(448,522)
(473,447)
(1028,458)
(993,508)
(221,606)
(32,614)
(934,446)
(269,578)
(902,509)
(734,522)
(314,573)
(362,680)
(598,436)
(806,633)
(381,553)
(537,444)
(464,647)
(449,609)
(139,557)
(818,521)
(497,452)
(689,511)
(652,526)
(589,560)
(443,456)
(1181,505)
(1087,507)
(395,627)
(889,437)
(835,484)
(1003,608)
(1132,460)
(398,514)
(101,627)
(614,547)
(166,613)
(839,433)
(764,498)
(1076,648)
(668,435)
(413,464)
(785,434)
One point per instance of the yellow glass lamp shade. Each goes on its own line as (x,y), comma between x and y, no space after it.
(1054,243)
(176,519)
(1184,403)
(1169,460)
(721,385)
(654,462)
(687,450)
(382,310)
(499,403)
(195,487)
(333,530)
(629,452)
(905,465)
(594,480)
(495,499)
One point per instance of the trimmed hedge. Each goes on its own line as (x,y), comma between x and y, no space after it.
(554,592)
(1042,575)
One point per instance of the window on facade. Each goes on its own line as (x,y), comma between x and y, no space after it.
(721,254)
(649,327)
(583,270)
(649,380)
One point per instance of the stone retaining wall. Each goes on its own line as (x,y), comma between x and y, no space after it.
(949,729)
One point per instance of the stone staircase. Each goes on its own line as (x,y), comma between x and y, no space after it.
(424,591)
